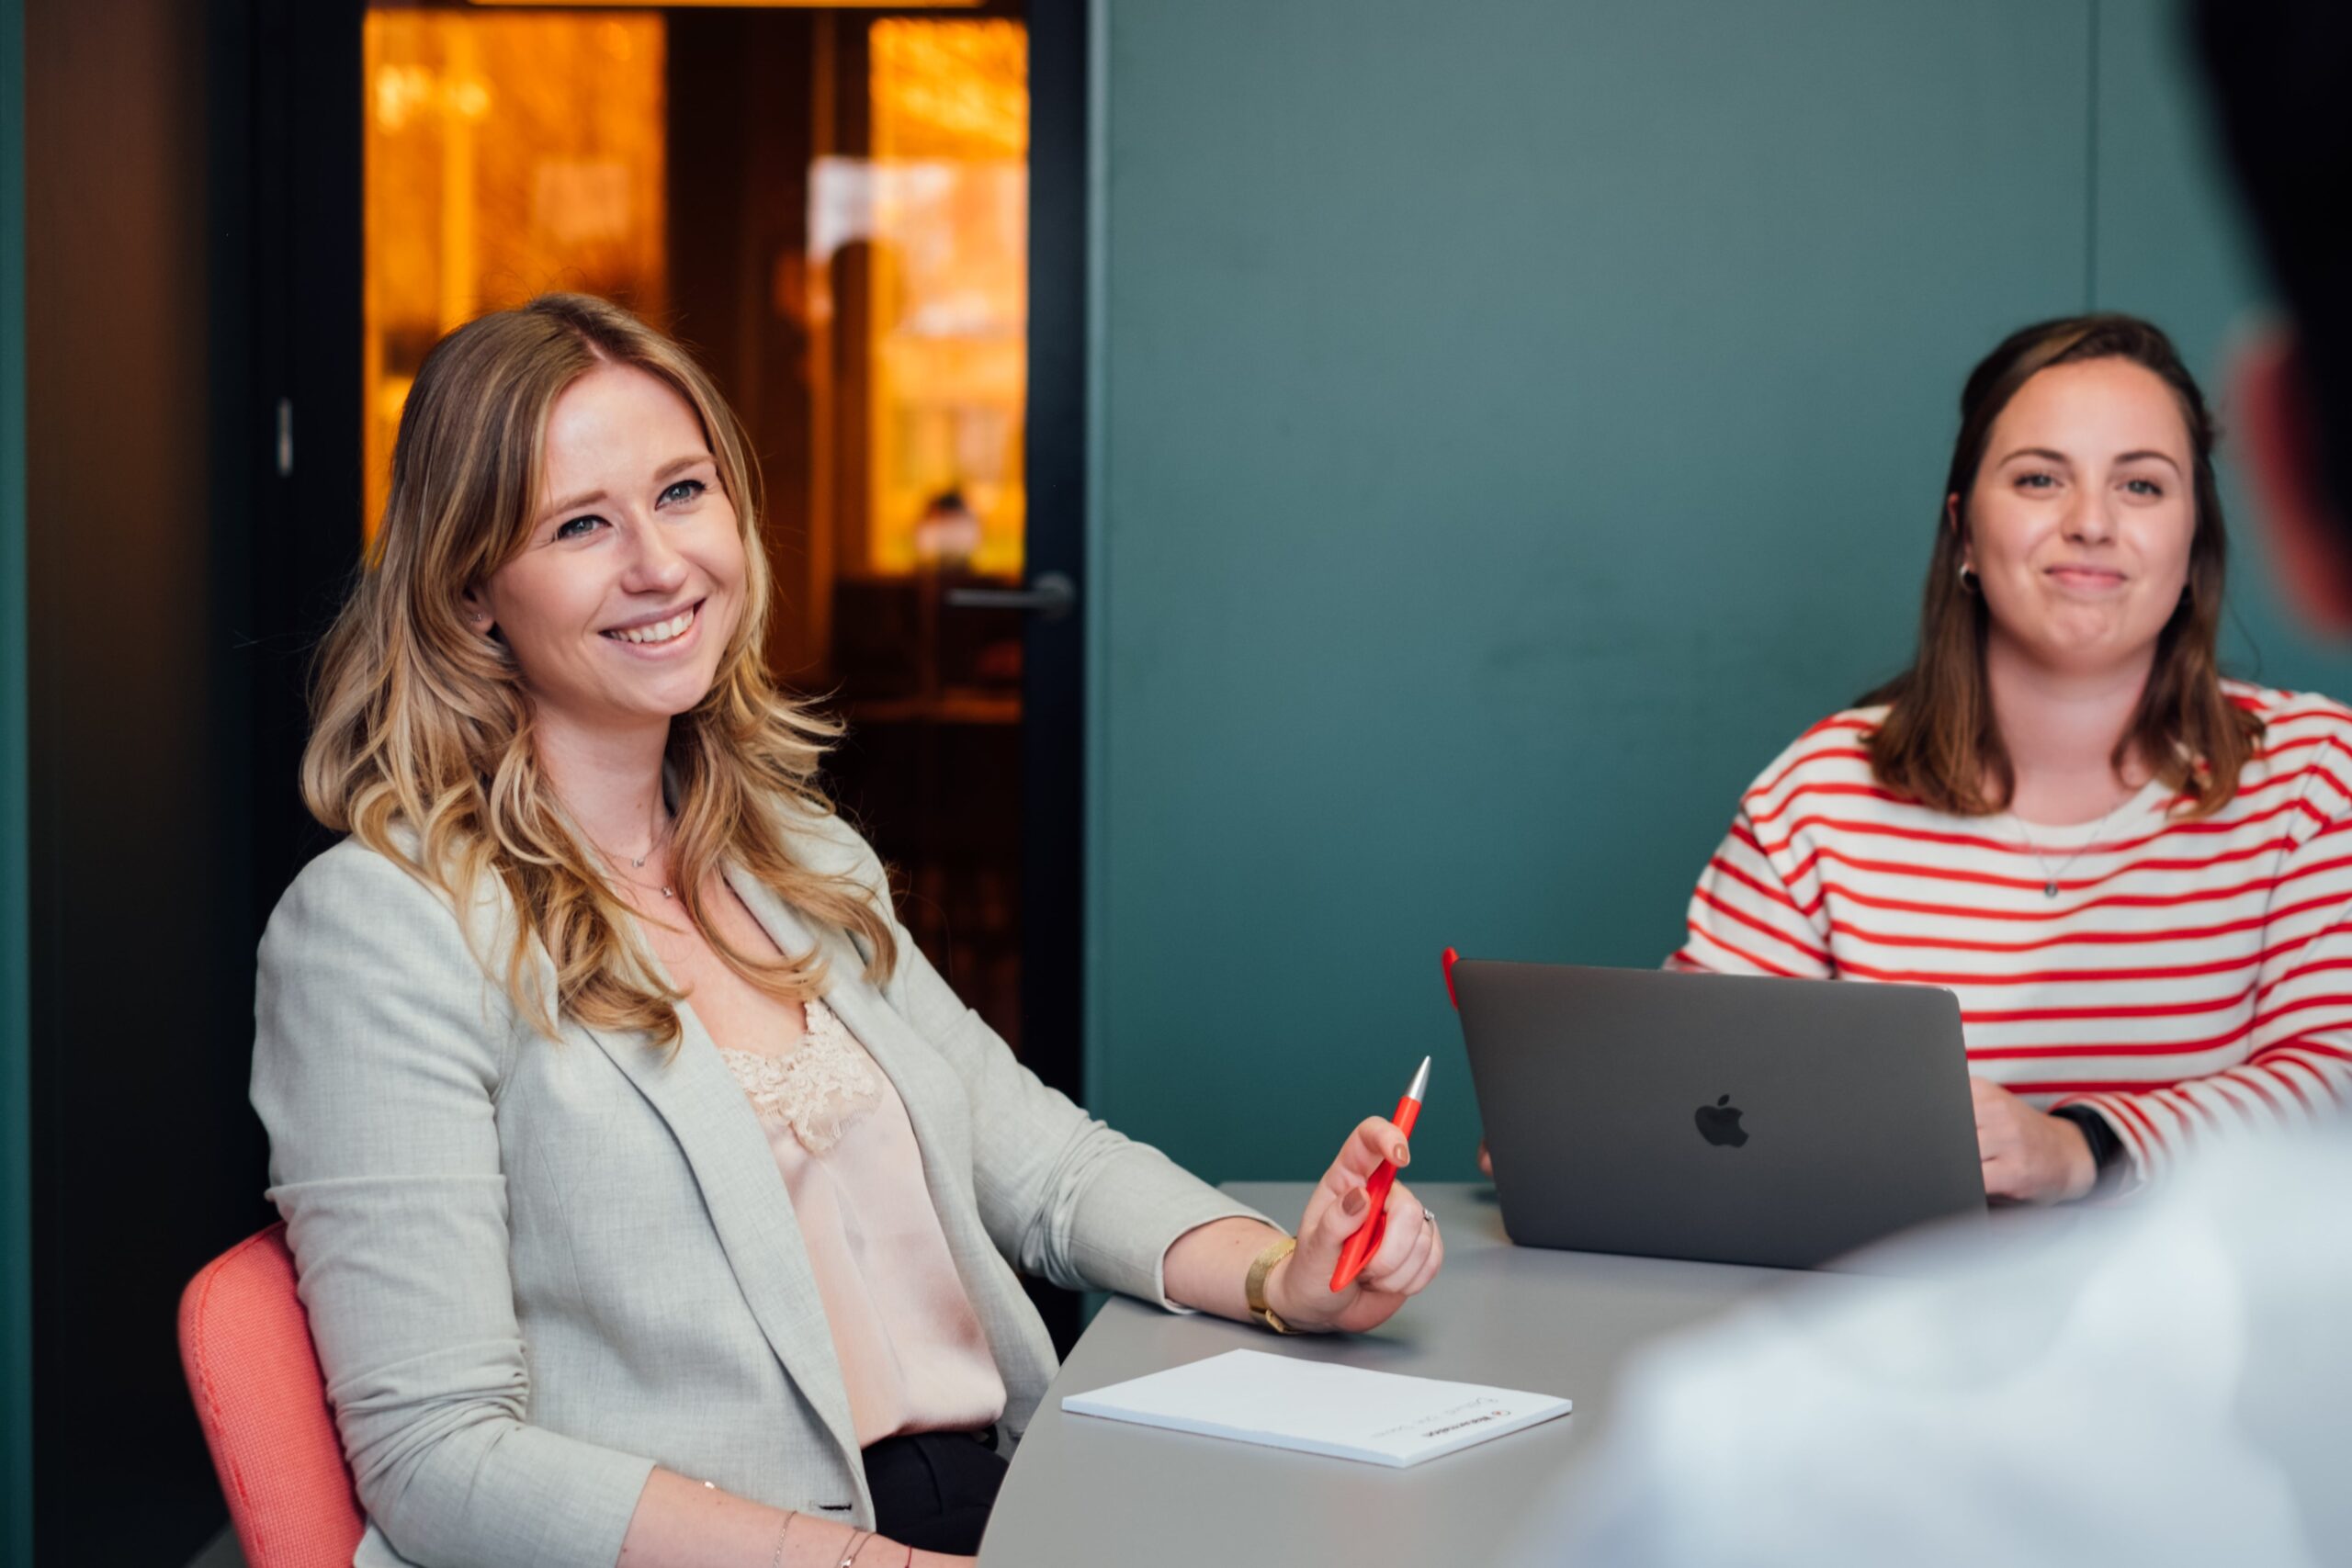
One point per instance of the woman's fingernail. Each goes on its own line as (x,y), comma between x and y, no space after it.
(1354,1201)
(1397,1155)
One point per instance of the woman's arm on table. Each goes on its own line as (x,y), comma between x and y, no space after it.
(2298,1066)
(1072,1200)
(1207,1266)
(1062,1195)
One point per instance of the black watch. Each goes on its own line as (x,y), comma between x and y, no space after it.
(2106,1149)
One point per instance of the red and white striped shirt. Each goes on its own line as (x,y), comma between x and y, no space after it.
(2189,976)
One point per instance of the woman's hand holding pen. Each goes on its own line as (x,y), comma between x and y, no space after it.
(1407,1258)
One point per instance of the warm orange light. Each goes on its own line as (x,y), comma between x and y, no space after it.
(763,4)
(947,218)
(506,155)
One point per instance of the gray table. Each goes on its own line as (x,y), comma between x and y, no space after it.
(1083,1490)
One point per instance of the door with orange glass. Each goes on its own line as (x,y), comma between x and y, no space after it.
(833,207)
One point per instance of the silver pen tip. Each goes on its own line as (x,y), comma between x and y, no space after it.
(1420,1081)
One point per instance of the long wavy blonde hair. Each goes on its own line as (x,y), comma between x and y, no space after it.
(421,744)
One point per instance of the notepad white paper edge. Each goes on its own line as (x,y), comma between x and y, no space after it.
(1104,1402)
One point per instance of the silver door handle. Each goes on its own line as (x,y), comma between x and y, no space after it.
(1050,594)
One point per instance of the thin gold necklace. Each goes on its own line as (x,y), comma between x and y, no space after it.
(660,832)
(665,891)
(2049,887)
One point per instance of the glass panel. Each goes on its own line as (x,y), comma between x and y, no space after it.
(506,155)
(918,262)
(947,213)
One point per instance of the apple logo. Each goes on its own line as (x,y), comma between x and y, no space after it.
(1719,1123)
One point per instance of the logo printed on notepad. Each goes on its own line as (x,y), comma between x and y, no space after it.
(1719,1123)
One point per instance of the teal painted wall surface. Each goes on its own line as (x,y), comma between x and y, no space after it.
(1514,422)
(16,1049)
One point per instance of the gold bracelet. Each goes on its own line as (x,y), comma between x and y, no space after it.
(1254,1288)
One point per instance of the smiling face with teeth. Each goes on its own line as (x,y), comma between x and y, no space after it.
(626,593)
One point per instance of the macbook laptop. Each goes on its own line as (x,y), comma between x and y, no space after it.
(1718,1117)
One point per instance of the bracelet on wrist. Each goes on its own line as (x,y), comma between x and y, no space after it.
(1253,1285)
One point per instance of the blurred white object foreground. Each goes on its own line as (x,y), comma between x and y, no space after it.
(2167,1382)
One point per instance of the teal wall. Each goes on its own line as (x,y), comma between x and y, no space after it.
(15,1055)
(1512,423)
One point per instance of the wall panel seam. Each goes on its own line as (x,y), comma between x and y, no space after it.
(2090,166)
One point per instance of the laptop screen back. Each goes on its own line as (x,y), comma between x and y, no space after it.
(1723,1118)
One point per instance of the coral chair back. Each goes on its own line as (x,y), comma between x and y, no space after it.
(262,1401)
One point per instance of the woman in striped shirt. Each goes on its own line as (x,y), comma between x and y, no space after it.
(2135,875)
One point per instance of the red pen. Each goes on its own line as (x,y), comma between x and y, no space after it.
(1367,1241)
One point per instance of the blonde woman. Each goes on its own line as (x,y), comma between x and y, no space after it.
(654,1201)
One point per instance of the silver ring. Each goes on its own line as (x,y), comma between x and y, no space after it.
(1428,1219)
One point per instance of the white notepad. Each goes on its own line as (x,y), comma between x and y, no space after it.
(1319,1408)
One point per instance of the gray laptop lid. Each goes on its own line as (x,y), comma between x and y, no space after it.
(1719,1117)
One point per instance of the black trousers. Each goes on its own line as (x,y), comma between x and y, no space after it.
(933,1490)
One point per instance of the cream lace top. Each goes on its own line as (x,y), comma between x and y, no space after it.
(911,1352)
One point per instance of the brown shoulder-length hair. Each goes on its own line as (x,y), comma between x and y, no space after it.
(421,744)
(1939,743)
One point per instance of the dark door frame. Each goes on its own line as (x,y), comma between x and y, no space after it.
(1052,827)
(297,432)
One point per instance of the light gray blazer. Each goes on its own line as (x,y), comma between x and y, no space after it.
(536,1269)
